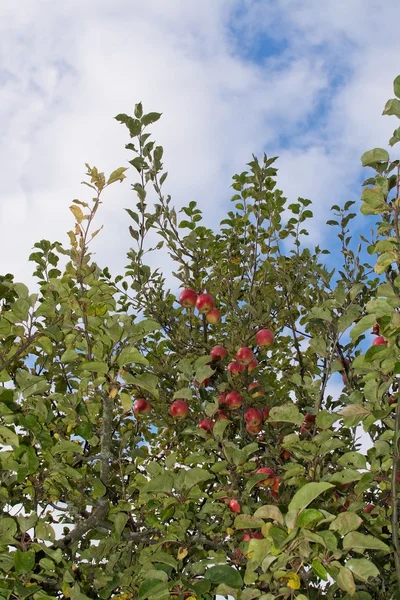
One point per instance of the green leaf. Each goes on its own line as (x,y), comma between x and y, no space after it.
(248,522)
(224,574)
(363,324)
(269,511)
(219,428)
(396,86)
(146,382)
(8,437)
(362,568)
(120,521)
(392,107)
(131,355)
(95,367)
(153,589)
(308,516)
(195,476)
(161,483)
(150,118)
(183,394)
(346,522)
(24,561)
(70,355)
(354,410)
(203,373)
(306,494)
(99,489)
(345,580)
(319,570)
(358,542)
(287,413)
(373,156)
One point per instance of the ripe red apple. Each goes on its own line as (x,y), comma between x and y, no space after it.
(141,407)
(235,368)
(213,316)
(264,337)
(305,428)
(368,508)
(204,303)
(234,506)
(285,455)
(276,484)
(206,424)
(179,409)
(309,418)
(253,365)
(253,429)
(234,400)
(221,399)
(244,356)
(221,414)
(246,537)
(269,480)
(253,416)
(258,391)
(188,298)
(218,353)
(375,329)
(252,536)
(265,412)
(379,341)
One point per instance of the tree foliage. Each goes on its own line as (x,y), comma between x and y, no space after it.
(99,502)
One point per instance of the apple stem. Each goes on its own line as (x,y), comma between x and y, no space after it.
(395,500)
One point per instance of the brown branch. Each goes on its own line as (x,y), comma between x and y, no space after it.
(395,499)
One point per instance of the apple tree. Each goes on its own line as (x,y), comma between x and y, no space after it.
(204,441)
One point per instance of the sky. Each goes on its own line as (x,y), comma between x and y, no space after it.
(303,80)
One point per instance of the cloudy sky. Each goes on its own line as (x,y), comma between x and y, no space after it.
(303,79)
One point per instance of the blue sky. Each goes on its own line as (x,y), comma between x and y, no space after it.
(304,80)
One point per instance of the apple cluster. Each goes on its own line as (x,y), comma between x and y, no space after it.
(204,304)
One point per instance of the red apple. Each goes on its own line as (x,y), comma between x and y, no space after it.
(141,407)
(252,536)
(187,298)
(221,414)
(253,429)
(213,316)
(285,455)
(179,409)
(234,506)
(244,356)
(253,365)
(368,508)
(265,412)
(276,484)
(375,329)
(392,400)
(206,424)
(221,399)
(253,416)
(235,368)
(270,479)
(246,537)
(379,341)
(305,428)
(234,400)
(258,391)
(204,303)
(264,337)
(218,353)
(309,418)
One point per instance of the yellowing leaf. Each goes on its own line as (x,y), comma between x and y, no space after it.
(77,212)
(230,531)
(182,552)
(293,581)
